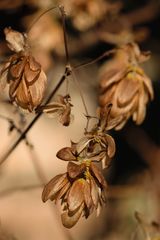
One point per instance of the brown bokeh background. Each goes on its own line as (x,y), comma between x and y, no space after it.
(134,173)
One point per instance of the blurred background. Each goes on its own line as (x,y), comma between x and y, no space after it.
(93,27)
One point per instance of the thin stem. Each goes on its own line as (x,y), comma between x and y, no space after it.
(63,14)
(88,121)
(106,54)
(87,124)
(67,87)
(80,92)
(37,19)
(61,8)
(7,154)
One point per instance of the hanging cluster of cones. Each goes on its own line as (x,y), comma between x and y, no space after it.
(125,91)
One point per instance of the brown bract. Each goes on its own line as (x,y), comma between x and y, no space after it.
(60,108)
(82,189)
(124,84)
(94,146)
(27,81)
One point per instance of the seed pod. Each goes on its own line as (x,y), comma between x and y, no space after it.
(125,85)
(27,81)
(81,190)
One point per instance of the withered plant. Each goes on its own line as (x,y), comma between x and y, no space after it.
(125,91)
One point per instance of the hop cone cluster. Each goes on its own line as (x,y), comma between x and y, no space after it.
(124,84)
(82,189)
(27,81)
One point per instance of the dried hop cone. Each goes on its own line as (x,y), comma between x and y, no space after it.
(26,79)
(60,108)
(96,147)
(82,189)
(124,84)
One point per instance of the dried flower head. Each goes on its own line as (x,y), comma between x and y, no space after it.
(26,79)
(82,189)
(124,84)
(95,146)
(61,108)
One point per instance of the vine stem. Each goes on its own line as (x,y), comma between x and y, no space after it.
(68,71)
(85,64)
(22,136)
(80,92)
(63,14)
(37,19)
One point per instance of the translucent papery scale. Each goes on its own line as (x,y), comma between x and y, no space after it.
(74,170)
(83,143)
(98,175)
(52,108)
(66,154)
(76,195)
(104,142)
(147,84)
(62,194)
(141,108)
(126,90)
(111,76)
(16,41)
(69,219)
(107,96)
(118,110)
(54,185)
